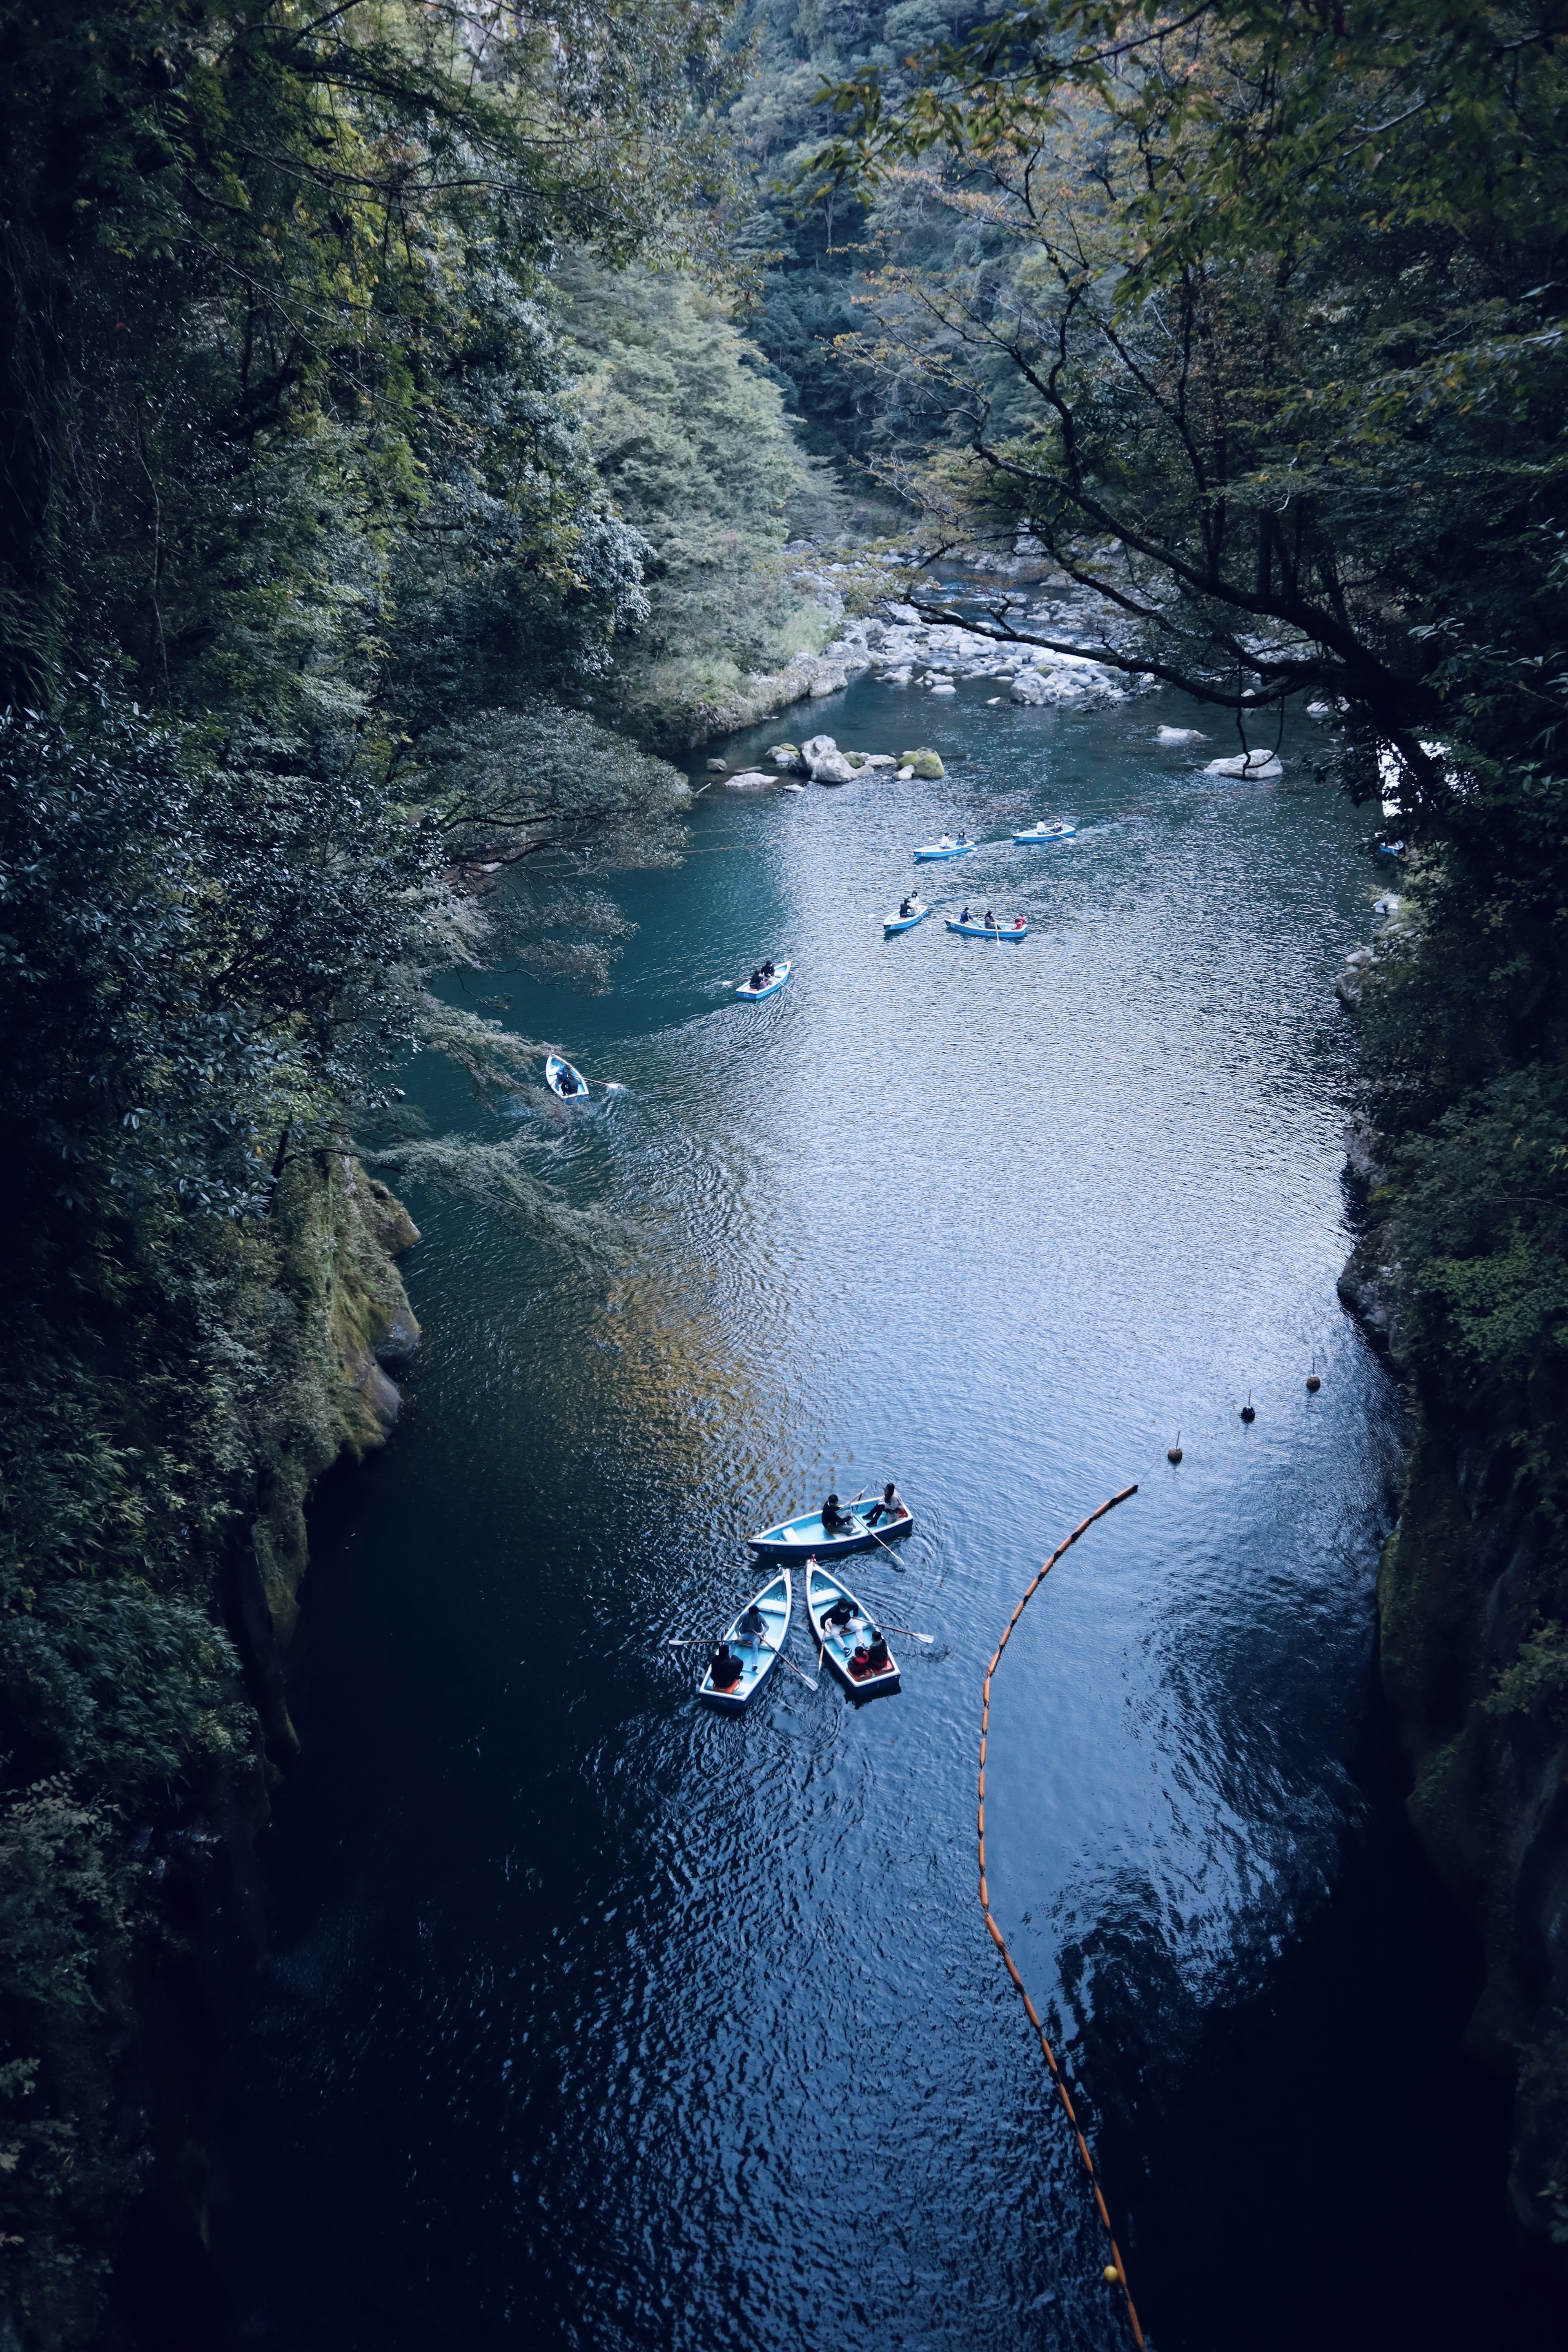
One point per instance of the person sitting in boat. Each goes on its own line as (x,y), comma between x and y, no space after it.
(842,1610)
(834,1521)
(768,968)
(966,917)
(751,1623)
(961,839)
(891,1505)
(756,980)
(724,1668)
(877,1656)
(903,909)
(990,921)
(1019,924)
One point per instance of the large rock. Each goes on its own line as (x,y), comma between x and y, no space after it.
(824,762)
(1180,735)
(1257,766)
(787,756)
(751,779)
(1029,688)
(924,764)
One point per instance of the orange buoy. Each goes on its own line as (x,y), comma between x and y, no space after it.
(1174,1452)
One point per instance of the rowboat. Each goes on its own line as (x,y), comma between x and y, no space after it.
(768,988)
(755,1641)
(929,851)
(853,1644)
(1043,833)
(807,1533)
(892,923)
(1017,929)
(563,1080)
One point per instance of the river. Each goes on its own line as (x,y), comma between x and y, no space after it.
(589,2019)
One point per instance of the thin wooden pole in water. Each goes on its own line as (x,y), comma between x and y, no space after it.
(1115,2268)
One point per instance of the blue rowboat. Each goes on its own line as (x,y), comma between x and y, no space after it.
(930,851)
(1018,930)
(563,1080)
(753,1641)
(808,1534)
(768,988)
(849,1637)
(1041,835)
(892,923)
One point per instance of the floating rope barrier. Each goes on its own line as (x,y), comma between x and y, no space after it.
(1115,2268)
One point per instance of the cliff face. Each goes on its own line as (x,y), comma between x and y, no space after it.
(240,1359)
(337,1313)
(338,1316)
(1473,1606)
(1475,1665)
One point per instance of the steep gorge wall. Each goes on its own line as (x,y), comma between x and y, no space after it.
(1473,1610)
(335,1314)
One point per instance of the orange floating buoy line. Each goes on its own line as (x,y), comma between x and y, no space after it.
(1114,2269)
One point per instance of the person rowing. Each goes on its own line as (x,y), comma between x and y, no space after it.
(903,909)
(891,1506)
(835,1522)
(570,1082)
(756,982)
(991,923)
(966,917)
(768,968)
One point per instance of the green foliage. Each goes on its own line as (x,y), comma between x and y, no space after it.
(689,436)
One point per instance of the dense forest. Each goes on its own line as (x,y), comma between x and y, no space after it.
(421,421)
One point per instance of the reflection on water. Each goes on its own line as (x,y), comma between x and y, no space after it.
(593,2019)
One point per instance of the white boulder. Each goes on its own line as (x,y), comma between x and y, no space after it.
(1180,735)
(1029,688)
(1257,766)
(942,686)
(824,762)
(751,779)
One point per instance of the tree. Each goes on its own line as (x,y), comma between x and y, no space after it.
(1239,334)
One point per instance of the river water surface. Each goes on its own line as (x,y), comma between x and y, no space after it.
(589,2019)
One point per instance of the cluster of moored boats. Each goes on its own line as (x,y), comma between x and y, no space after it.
(846,1632)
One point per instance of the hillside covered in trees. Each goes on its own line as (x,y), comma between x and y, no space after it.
(406,413)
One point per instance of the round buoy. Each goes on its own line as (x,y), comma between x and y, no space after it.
(1248,1411)
(1313,1384)
(1112,2275)
(1174,1452)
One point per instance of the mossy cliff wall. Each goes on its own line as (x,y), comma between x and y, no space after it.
(1473,1603)
(339,1316)
(237,1360)
(335,1314)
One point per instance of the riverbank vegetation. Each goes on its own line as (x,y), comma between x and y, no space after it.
(407,410)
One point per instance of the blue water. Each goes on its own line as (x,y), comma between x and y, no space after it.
(589,2019)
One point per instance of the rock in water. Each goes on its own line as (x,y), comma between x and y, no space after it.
(1180,735)
(716,767)
(786,757)
(1028,687)
(751,779)
(1257,766)
(824,762)
(923,763)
